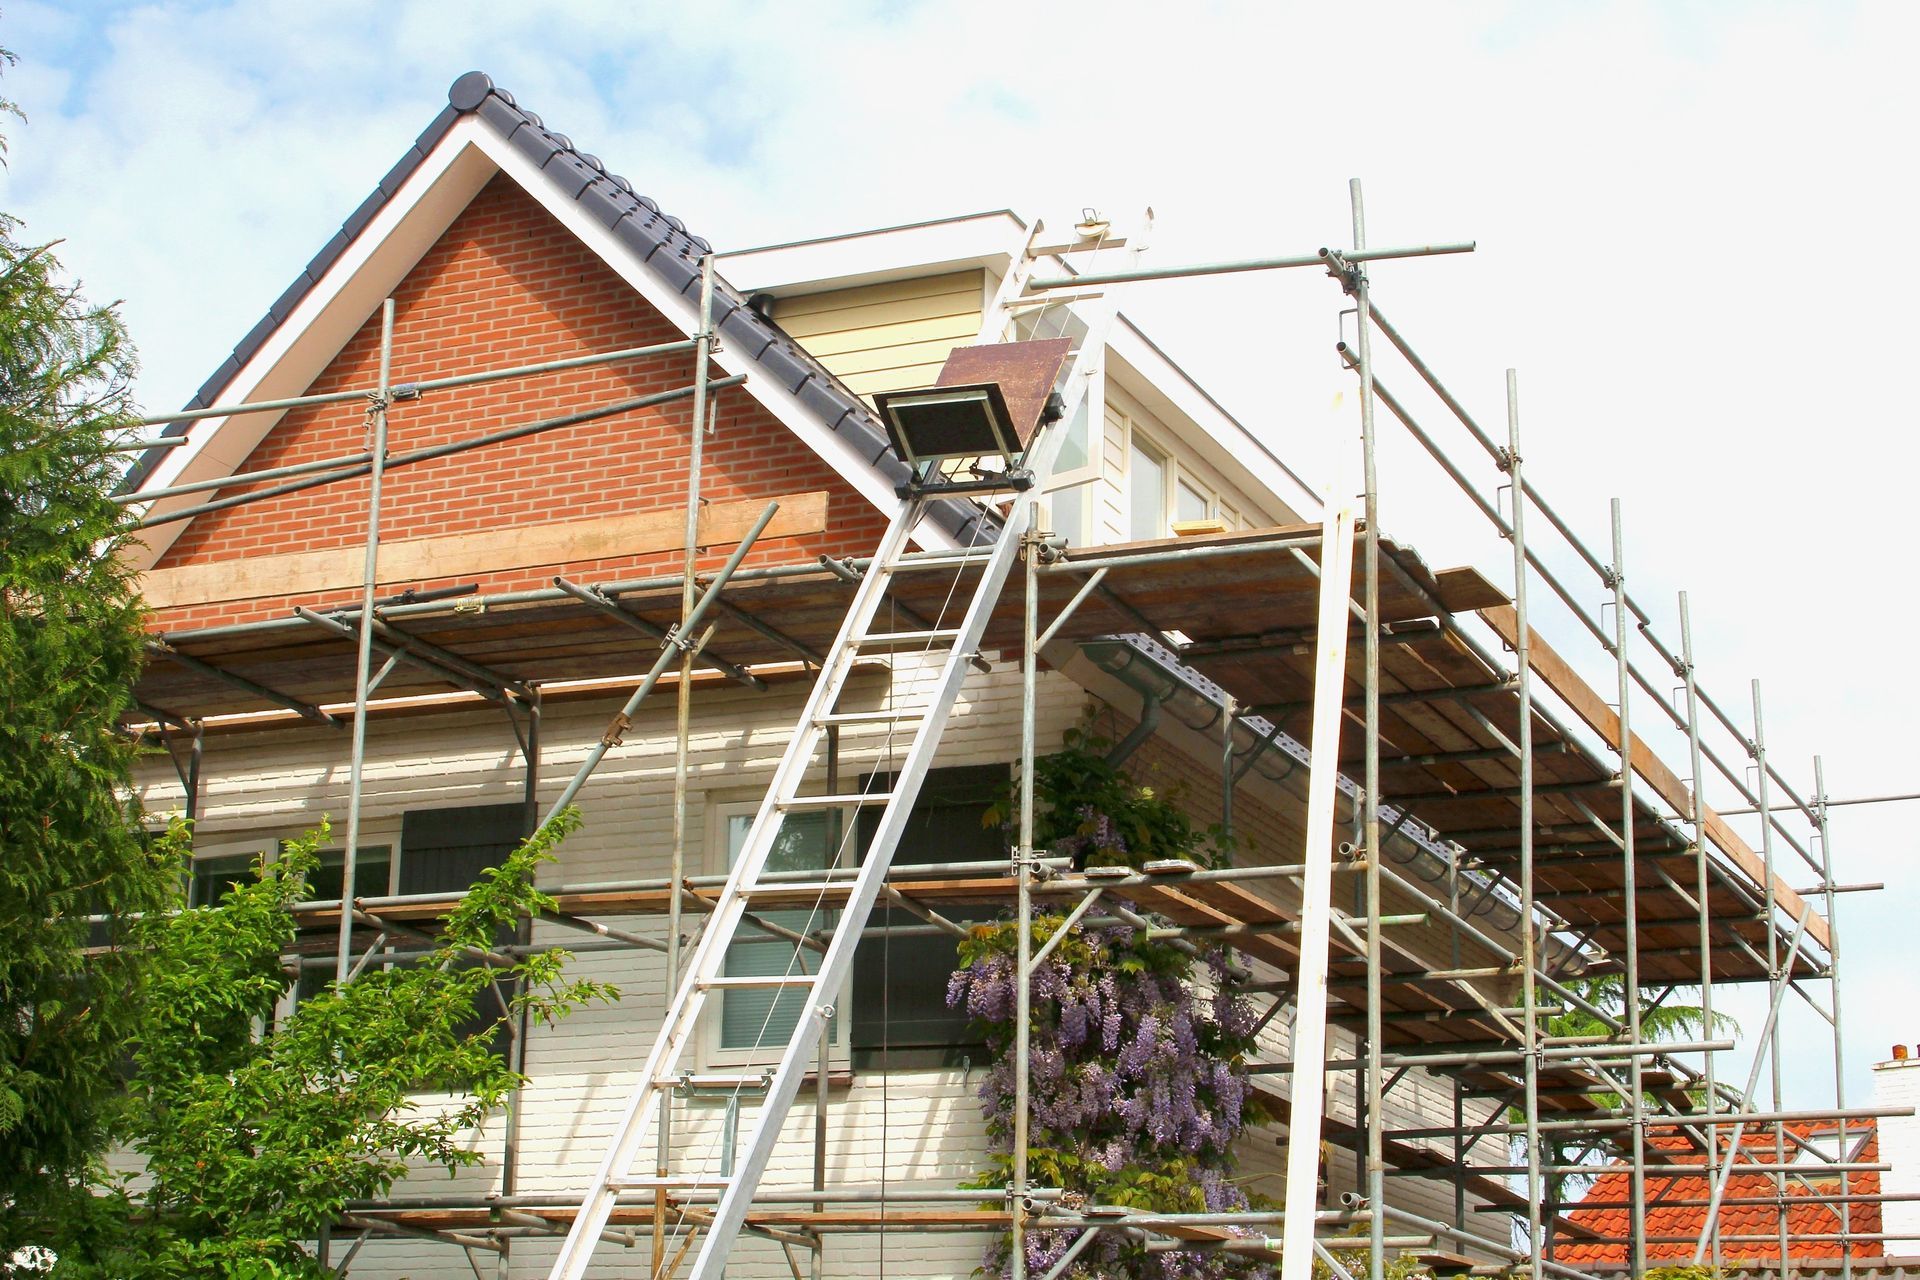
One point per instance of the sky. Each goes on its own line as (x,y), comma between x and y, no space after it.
(1695,240)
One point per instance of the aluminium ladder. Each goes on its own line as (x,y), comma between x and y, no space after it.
(730,918)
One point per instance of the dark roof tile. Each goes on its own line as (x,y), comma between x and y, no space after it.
(283,305)
(743,332)
(471,90)
(674,271)
(357,220)
(501,115)
(431,135)
(533,142)
(607,204)
(255,336)
(785,366)
(401,171)
(570,173)
(823,400)
(332,249)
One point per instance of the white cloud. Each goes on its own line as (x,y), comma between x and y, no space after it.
(1694,226)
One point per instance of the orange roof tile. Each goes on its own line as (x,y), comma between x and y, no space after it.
(1750,1231)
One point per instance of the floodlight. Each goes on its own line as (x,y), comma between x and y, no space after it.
(939,424)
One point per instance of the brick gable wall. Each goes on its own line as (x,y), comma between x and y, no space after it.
(507,285)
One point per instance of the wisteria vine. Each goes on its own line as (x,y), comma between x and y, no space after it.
(1136,1084)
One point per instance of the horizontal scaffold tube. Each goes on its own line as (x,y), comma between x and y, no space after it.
(432,452)
(1319,258)
(432,384)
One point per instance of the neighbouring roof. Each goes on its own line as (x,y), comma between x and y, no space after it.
(1808,1215)
(659,240)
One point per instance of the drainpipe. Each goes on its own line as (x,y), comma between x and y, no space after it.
(1149,721)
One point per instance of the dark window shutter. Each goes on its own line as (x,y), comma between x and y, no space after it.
(900,984)
(445,850)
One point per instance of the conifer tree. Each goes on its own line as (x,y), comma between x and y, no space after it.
(71,838)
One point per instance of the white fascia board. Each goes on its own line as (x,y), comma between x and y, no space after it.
(321,324)
(876,257)
(1145,372)
(684,314)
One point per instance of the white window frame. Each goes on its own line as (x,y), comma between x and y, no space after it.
(1139,441)
(1174,472)
(1083,478)
(265,844)
(721,810)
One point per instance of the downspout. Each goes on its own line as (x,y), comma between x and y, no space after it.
(1150,704)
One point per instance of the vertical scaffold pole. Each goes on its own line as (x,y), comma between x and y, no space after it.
(1636,1102)
(1779,971)
(1529,959)
(363,657)
(683,722)
(1023,874)
(1833,984)
(1376,1159)
(1702,887)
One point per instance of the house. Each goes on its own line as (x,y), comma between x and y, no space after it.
(524,587)
(1819,1215)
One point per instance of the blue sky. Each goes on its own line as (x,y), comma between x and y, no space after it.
(1695,225)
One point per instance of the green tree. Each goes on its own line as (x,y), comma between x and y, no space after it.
(253,1142)
(71,839)
(1671,1019)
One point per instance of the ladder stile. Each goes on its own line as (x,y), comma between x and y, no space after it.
(955,649)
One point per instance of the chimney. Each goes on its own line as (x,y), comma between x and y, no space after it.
(1896,1083)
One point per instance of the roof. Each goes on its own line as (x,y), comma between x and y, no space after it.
(1750,1229)
(659,240)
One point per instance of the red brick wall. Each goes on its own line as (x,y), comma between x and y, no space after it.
(508,285)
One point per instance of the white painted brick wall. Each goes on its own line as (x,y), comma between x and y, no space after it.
(1897,1084)
(917,1128)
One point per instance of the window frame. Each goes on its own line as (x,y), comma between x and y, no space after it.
(1144,442)
(1175,472)
(946,786)
(1084,476)
(722,808)
(266,845)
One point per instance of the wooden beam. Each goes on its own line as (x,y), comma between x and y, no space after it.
(408,561)
(1602,719)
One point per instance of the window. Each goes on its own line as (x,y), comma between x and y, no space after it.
(439,851)
(1190,502)
(1069,489)
(211,876)
(1146,490)
(319,947)
(900,983)
(760,1021)
(444,851)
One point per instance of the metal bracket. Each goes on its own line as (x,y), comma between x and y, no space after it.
(616,730)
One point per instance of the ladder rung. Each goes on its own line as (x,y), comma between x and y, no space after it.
(651,1181)
(938,559)
(935,636)
(871,717)
(797,890)
(717,1080)
(1092,244)
(801,803)
(749,984)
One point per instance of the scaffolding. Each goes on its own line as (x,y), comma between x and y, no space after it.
(1482,756)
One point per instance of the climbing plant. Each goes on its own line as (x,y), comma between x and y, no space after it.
(1137,1084)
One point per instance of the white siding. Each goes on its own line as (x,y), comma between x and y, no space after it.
(915,1128)
(886,337)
